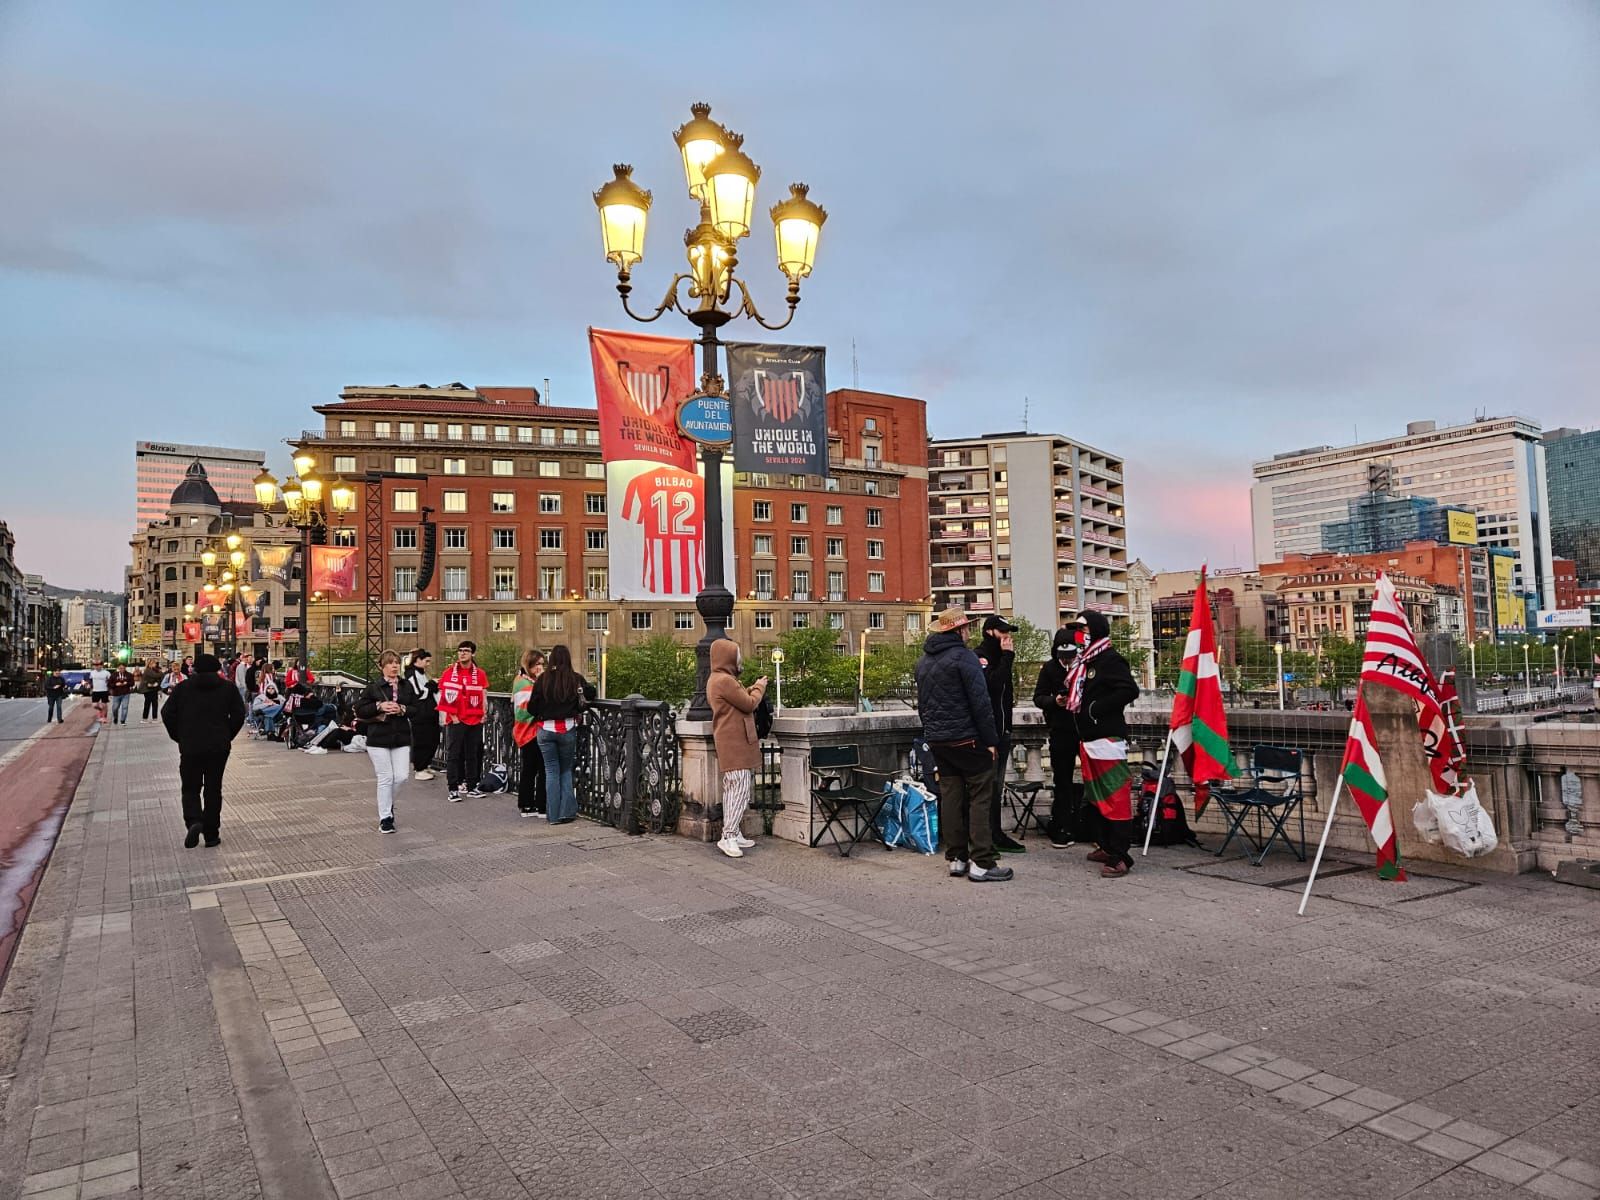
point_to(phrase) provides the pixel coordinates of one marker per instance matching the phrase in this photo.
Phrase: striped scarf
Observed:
(1079, 671)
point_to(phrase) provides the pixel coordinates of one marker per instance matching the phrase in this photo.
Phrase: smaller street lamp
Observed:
(1280, 648)
(777, 666)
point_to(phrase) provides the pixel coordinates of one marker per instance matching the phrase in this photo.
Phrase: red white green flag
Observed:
(1106, 778)
(1364, 779)
(1199, 727)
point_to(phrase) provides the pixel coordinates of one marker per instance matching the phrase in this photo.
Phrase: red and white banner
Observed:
(191, 631)
(656, 519)
(639, 381)
(242, 625)
(211, 597)
(333, 571)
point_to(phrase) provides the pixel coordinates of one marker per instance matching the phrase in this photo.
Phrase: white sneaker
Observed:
(744, 842)
(730, 847)
(958, 867)
(315, 750)
(423, 775)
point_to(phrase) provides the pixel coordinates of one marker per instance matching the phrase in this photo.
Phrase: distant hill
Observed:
(66, 593)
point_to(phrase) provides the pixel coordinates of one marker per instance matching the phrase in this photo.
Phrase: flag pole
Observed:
(1327, 826)
(1161, 777)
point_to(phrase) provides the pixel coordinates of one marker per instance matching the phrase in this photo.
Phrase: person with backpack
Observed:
(203, 715)
(384, 716)
(1100, 686)
(532, 787)
(1068, 818)
(463, 701)
(738, 741)
(557, 701)
(997, 656)
(422, 702)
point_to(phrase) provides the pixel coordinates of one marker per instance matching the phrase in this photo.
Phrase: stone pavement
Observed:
(484, 1006)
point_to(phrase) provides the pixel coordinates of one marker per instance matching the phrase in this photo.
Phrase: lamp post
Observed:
(1279, 647)
(307, 501)
(722, 179)
(1527, 672)
(777, 667)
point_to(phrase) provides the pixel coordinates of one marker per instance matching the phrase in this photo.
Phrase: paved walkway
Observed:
(487, 1007)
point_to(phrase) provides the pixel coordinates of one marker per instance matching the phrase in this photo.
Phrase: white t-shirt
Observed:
(99, 681)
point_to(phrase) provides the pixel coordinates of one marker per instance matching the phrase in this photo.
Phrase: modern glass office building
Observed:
(1572, 466)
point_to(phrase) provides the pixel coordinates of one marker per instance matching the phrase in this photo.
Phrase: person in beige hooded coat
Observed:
(733, 728)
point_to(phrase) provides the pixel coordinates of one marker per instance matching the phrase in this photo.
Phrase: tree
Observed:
(889, 669)
(1031, 650)
(1122, 643)
(657, 669)
(814, 671)
(500, 658)
(1340, 661)
(349, 656)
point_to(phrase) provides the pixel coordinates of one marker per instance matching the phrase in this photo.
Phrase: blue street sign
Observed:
(706, 419)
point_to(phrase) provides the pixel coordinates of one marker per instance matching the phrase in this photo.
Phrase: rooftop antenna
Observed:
(855, 367)
(545, 395)
(1025, 415)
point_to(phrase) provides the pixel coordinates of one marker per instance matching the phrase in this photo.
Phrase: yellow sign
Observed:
(1461, 528)
(148, 634)
(1507, 605)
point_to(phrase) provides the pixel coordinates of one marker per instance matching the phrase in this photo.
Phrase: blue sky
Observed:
(1192, 234)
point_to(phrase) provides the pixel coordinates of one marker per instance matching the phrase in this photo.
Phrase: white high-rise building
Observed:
(159, 467)
(1494, 466)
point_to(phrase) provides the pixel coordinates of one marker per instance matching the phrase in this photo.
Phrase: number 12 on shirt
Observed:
(656, 523)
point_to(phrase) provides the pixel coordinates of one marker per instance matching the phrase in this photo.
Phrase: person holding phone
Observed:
(386, 717)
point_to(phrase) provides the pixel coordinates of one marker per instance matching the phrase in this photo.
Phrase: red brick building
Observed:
(517, 490)
(1464, 568)
(1566, 573)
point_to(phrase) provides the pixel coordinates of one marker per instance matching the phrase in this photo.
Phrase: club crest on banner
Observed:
(782, 394)
(647, 388)
(780, 418)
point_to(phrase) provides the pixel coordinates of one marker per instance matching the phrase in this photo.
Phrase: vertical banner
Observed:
(211, 627)
(780, 417)
(271, 562)
(212, 596)
(241, 624)
(639, 381)
(191, 631)
(656, 521)
(333, 571)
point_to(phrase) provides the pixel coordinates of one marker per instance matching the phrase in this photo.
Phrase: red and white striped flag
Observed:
(1393, 660)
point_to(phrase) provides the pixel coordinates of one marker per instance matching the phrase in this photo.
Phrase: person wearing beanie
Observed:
(997, 656)
(203, 715)
(1069, 822)
(1099, 687)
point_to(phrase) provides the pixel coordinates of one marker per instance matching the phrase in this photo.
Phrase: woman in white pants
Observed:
(733, 728)
(385, 717)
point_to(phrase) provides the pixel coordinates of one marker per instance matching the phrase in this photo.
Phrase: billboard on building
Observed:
(1461, 527)
(780, 418)
(1508, 615)
(1564, 618)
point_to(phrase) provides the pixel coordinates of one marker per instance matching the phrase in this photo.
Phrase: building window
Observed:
(430, 431)
(764, 584)
(405, 583)
(594, 503)
(504, 582)
(502, 433)
(569, 437)
(405, 466)
(798, 514)
(800, 620)
(800, 584)
(405, 622)
(455, 502)
(594, 470)
(875, 581)
(502, 466)
(381, 429)
(913, 622)
(552, 583)
(870, 487)
(503, 539)
(452, 433)
(836, 620)
(641, 620)
(549, 502)
(875, 620)
(408, 431)
(342, 625)
(503, 622)
(525, 433)
(347, 429)
(551, 622)
(480, 433)
(800, 546)
(874, 548)
(594, 539)
(763, 543)
(549, 469)
(682, 619)
(591, 437)
(455, 538)
(835, 547)
(547, 437)
(874, 518)
(455, 622)
(405, 501)
(344, 464)
(835, 585)
(594, 582)
(761, 510)
(455, 583)
(550, 539)
(455, 466)
(764, 619)
(871, 455)
(405, 537)
(344, 537)
(835, 514)
(597, 622)
(869, 425)
(501, 502)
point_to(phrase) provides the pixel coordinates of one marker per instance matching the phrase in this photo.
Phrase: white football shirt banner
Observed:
(656, 529)
(780, 418)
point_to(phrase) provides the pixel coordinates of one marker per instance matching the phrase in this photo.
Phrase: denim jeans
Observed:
(269, 718)
(560, 753)
(52, 708)
(119, 710)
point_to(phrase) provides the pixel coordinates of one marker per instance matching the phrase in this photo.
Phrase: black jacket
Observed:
(1052, 682)
(203, 715)
(1108, 688)
(386, 731)
(420, 695)
(55, 687)
(997, 663)
(952, 697)
(542, 708)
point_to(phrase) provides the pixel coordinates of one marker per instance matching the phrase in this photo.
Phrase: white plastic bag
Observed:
(1427, 823)
(1464, 824)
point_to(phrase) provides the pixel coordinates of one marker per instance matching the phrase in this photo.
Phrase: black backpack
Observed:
(763, 716)
(1172, 824)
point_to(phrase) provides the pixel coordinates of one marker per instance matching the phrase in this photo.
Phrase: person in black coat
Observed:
(958, 725)
(1069, 821)
(421, 695)
(1100, 686)
(385, 715)
(997, 655)
(203, 715)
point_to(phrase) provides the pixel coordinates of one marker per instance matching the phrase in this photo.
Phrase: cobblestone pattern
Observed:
(483, 1006)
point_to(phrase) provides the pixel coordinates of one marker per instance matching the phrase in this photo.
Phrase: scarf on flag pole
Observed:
(1106, 778)
(1362, 770)
(1393, 660)
(1079, 671)
(1199, 729)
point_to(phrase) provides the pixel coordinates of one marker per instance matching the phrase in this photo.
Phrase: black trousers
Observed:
(1067, 815)
(531, 786)
(197, 774)
(1115, 837)
(424, 741)
(463, 755)
(151, 701)
(1002, 760)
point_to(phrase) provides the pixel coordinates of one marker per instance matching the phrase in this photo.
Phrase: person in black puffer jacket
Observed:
(997, 655)
(1069, 821)
(1100, 687)
(958, 724)
(385, 715)
(203, 715)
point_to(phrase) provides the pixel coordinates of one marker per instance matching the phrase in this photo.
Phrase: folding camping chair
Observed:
(838, 795)
(1020, 796)
(1275, 793)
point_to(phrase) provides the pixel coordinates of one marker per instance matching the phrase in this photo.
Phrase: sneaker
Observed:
(475, 793)
(1115, 870)
(316, 749)
(1062, 841)
(744, 842)
(1009, 845)
(423, 775)
(192, 838)
(728, 846)
(995, 874)
(527, 812)
(958, 867)
(457, 797)
(1098, 855)
(386, 825)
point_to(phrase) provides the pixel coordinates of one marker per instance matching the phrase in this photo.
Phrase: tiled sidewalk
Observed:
(486, 1007)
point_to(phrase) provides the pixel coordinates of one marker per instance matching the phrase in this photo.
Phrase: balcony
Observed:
(763, 595)
(835, 597)
(1088, 489)
(552, 594)
(505, 594)
(1105, 539)
(1105, 585)
(404, 597)
(801, 598)
(454, 594)
(963, 535)
(596, 594)
(1101, 560)
(950, 485)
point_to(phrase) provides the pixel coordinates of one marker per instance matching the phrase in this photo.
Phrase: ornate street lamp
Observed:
(722, 179)
(308, 501)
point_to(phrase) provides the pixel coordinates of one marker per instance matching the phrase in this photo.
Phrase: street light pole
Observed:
(1279, 648)
(1527, 673)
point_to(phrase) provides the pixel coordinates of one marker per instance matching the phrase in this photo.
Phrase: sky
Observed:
(1191, 234)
